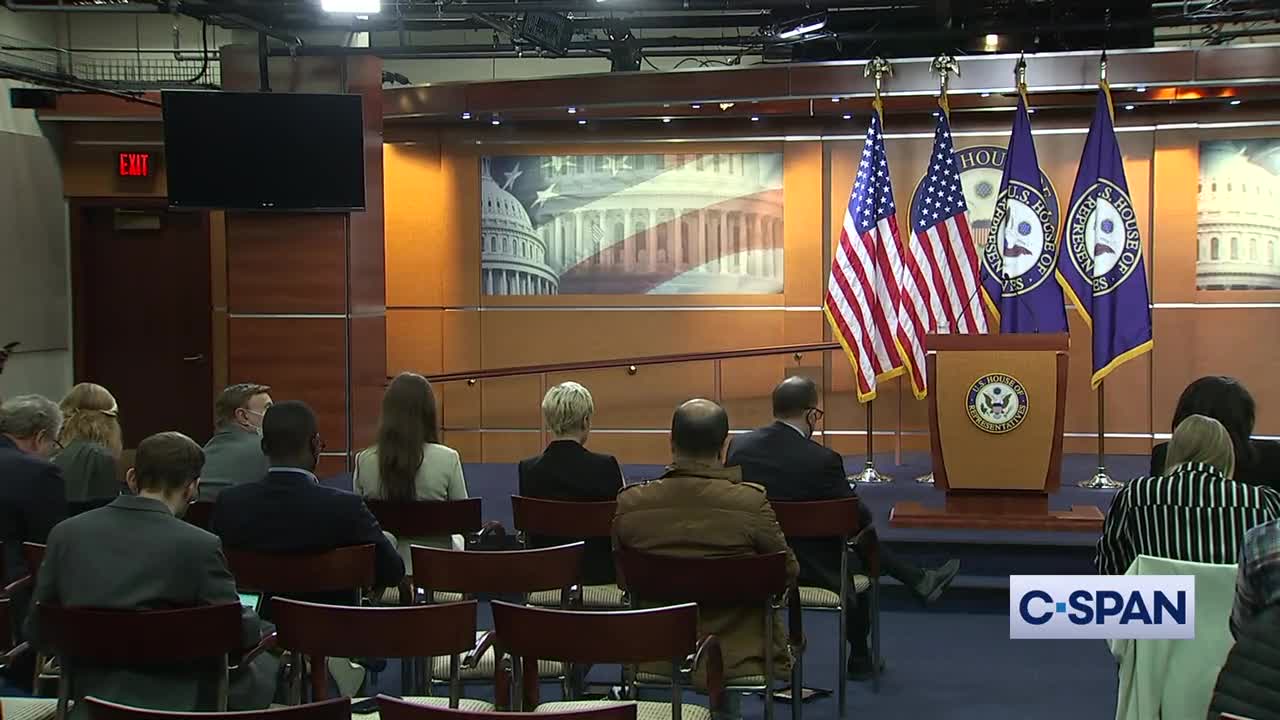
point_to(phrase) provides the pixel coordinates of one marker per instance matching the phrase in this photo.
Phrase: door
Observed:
(143, 315)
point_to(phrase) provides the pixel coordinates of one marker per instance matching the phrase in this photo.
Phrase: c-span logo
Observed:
(1102, 236)
(1102, 607)
(997, 403)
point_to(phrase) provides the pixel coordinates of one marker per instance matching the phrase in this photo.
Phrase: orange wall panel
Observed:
(414, 246)
(415, 341)
(646, 399)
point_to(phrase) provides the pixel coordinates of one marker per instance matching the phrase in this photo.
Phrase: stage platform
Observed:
(987, 557)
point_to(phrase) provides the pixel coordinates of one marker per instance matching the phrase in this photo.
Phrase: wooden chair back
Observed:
(818, 518)
(336, 709)
(346, 568)
(426, 519)
(142, 637)
(33, 556)
(729, 581)
(625, 637)
(558, 518)
(199, 514)
(393, 709)
(497, 572)
(408, 631)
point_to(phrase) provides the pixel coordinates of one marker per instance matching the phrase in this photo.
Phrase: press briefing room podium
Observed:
(996, 405)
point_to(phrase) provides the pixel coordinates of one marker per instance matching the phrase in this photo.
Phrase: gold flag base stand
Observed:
(870, 476)
(1101, 481)
(925, 479)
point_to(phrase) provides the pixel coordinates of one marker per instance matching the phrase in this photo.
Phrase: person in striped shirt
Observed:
(1193, 512)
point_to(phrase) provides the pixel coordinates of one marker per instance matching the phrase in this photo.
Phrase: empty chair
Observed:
(337, 709)
(417, 631)
(837, 521)
(332, 576)
(421, 518)
(558, 518)
(735, 584)
(513, 572)
(393, 709)
(96, 648)
(628, 637)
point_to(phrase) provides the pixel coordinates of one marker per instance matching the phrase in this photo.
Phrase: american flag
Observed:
(941, 257)
(863, 290)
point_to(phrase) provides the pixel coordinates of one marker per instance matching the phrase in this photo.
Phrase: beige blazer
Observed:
(439, 478)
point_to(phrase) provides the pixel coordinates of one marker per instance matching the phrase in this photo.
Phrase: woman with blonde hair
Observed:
(91, 444)
(1195, 511)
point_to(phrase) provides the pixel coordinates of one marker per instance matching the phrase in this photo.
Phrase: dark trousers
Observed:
(858, 627)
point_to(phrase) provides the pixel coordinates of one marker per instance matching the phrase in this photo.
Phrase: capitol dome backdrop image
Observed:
(1238, 224)
(631, 224)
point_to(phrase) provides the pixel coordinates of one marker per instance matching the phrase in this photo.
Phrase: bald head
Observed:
(698, 430)
(793, 397)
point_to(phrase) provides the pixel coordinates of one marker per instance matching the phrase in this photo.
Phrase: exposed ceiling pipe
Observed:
(133, 7)
(210, 9)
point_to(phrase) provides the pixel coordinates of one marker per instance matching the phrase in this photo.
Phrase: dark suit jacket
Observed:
(1264, 471)
(135, 555)
(568, 471)
(32, 500)
(289, 513)
(794, 468)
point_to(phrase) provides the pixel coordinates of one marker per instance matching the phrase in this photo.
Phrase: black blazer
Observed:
(1249, 682)
(568, 471)
(33, 499)
(290, 513)
(1264, 471)
(792, 467)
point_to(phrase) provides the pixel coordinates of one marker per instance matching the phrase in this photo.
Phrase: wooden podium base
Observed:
(997, 511)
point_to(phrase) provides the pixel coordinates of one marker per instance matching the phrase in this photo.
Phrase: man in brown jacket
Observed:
(700, 508)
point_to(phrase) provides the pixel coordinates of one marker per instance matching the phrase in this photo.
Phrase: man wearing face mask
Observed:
(137, 554)
(233, 455)
(792, 467)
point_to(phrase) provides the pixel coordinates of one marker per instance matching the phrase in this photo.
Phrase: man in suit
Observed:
(290, 512)
(700, 508)
(792, 467)
(234, 454)
(567, 470)
(137, 554)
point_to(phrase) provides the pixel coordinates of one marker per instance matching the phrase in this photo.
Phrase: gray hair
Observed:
(567, 407)
(26, 415)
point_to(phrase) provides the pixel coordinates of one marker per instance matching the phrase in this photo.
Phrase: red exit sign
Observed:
(133, 164)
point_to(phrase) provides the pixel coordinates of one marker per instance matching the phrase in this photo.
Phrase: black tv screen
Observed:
(264, 151)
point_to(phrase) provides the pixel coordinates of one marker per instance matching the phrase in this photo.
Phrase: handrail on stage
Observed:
(637, 361)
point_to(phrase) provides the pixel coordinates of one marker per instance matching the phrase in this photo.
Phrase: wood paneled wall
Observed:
(438, 320)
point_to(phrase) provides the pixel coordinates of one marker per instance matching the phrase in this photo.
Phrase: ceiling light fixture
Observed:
(495, 121)
(991, 42)
(573, 111)
(986, 94)
(835, 99)
(1237, 101)
(1128, 107)
(803, 26)
(755, 118)
(1141, 88)
(364, 7)
(466, 116)
(666, 120)
(847, 116)
(696, 106)
(582, 122)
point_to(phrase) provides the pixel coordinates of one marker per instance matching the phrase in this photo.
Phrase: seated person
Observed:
(290, 512)
(408, 463)
(233, 455)
(567, 470)
(699, 508)
(1246, 685)
(1195, 512)
(91, 445)
(1226, 400)
(784, 459)
(137, 554)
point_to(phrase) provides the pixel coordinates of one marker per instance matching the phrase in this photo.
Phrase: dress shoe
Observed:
(930, 587)
(859, 669)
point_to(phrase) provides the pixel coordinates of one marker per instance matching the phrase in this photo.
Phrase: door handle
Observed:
(193, 358)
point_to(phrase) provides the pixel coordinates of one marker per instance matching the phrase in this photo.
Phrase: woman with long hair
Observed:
(1193, 511)
(408, 463)
(1227, 400)
(91, 443)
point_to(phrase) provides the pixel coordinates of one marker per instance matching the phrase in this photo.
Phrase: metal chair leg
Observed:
(875, 635)
(768, 661)
(64, 690)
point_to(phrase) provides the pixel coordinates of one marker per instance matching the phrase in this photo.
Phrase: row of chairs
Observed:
(340, 709)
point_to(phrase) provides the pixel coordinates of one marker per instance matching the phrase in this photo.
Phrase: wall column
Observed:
(652, 218)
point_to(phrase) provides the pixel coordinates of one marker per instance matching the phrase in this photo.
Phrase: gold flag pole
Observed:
(944, 65)
(877, 68)
(1101, 480)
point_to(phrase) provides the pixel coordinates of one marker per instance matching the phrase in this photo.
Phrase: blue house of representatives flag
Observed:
(1019, 263)
(1103, 272)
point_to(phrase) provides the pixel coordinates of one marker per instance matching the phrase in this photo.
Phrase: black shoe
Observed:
(930, 587)
(859, 669)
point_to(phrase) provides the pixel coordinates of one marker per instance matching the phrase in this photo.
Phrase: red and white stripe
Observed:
(943, 262)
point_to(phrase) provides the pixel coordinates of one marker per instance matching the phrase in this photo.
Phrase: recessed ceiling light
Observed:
(582, 122)
(1032, 111)
(351, 6)
(986, 94)
(835, 99)
(847, 116)
(991, 42)
(495, 121)
(755, 118)
(666, 120)
(1237, 101)
(466, 116)
(936, 113)
(1128, 107)
(573, 111)
(1141, 88)
(696, 106)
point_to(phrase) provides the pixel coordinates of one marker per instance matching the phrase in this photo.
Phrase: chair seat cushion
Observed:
(484, 669)
(819, 597)
(656, 679)
(15, 708)
(463, 704)
(599, 597)
(644, 710)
